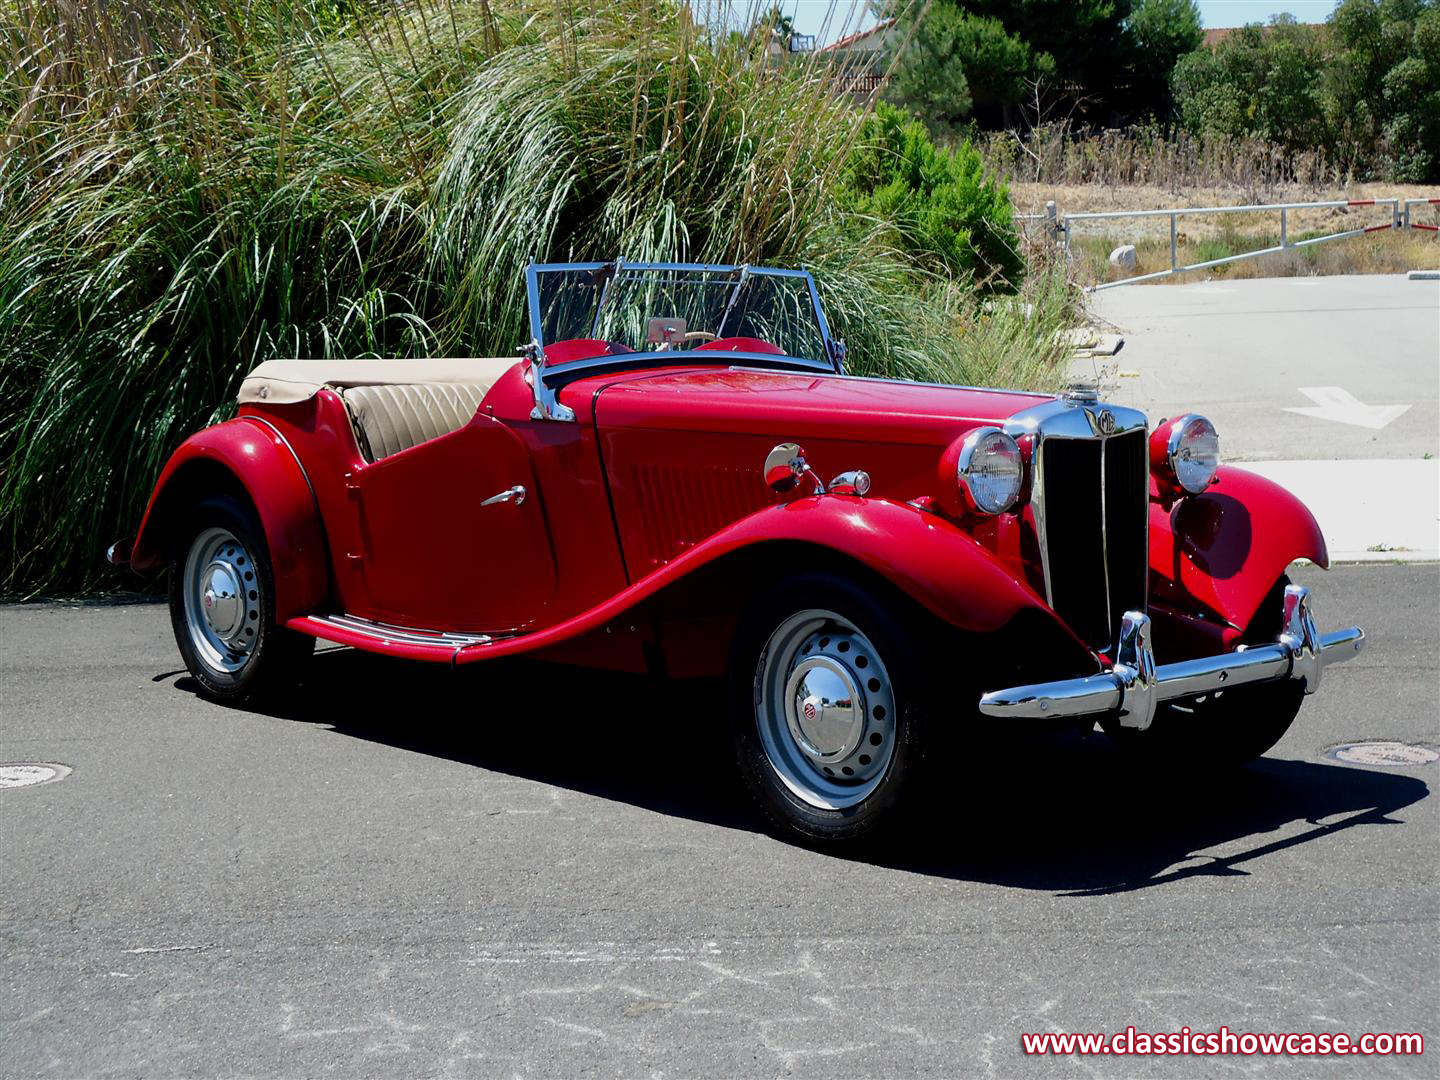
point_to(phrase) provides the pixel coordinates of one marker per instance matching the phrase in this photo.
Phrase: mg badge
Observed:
(810, 710)
(1106, 422)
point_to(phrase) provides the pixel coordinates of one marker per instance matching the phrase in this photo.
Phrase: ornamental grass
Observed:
(191, 187)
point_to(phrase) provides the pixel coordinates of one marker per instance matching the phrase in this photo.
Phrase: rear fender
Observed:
(248, 454)
(1219, 553)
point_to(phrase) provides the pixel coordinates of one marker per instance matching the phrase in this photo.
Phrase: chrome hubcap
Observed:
(222, 600)
(825, 709)
(828, 722)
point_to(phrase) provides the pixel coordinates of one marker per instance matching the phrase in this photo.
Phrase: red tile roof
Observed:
(860, 35)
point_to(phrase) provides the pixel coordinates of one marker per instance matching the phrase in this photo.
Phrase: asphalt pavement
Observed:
(522, 870)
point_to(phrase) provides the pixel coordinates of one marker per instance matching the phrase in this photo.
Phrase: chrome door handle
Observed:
(515, 494)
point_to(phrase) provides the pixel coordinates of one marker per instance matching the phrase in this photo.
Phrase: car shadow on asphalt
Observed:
(1060, 813)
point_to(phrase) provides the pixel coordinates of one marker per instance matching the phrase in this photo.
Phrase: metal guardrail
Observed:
(1409, 224)
(1400, 218)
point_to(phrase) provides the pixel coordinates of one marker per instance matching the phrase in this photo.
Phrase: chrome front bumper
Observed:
(1136, 685)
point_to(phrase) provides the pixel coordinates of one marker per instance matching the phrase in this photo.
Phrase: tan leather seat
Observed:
(389, 419)
(285, 382)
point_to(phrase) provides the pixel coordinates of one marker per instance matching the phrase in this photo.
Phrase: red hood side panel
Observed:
(684, 450)
(746, 401)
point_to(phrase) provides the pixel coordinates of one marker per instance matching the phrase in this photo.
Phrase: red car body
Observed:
(659, 476)
(610, 507)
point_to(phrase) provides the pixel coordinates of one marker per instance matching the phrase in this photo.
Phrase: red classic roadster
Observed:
(631, 493)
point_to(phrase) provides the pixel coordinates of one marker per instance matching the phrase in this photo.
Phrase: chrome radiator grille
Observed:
(1093, 518)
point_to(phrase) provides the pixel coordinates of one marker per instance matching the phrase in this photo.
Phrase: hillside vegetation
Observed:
(1364, 88)
(1354, 98)
(190, 188)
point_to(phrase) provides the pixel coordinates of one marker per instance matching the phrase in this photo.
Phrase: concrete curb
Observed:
(1369, 511)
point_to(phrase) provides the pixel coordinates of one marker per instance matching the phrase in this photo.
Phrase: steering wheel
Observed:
(701, 335)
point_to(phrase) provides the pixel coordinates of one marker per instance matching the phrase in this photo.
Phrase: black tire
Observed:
(888, 626)
(270, 656)
(1230, 727)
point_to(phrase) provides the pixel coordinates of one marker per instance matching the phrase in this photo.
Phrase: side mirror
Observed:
(785, 466)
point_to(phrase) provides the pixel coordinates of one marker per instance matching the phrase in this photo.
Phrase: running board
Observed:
(409, 641)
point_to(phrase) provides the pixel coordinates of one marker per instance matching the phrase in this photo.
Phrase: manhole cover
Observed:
(1395, 754)
(31, 773)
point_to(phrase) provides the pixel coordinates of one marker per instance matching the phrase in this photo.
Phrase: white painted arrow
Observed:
(1335, 403)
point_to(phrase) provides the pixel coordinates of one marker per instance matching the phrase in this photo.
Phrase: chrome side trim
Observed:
(1105, 538)
(400, 635)
(1136, 685)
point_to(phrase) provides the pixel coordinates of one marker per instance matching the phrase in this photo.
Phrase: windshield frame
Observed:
(547, 380)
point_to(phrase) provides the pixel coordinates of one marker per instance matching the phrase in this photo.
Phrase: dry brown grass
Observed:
(1138, 169)
(1212, 236)
(1056, 153)
(1377, 253)
(1085, 198)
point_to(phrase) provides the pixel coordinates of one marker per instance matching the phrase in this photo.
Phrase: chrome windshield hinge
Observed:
(547, 404)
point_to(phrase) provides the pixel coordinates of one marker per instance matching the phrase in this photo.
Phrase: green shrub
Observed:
(951, 217)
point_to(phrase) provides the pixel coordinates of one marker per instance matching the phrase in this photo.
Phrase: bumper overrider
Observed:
(1136, 685)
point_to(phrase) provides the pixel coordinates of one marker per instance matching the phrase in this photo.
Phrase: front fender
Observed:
(1221, 552)
(930, 559)
(249, 453)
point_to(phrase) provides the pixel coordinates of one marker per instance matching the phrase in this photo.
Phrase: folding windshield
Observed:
(583, 311)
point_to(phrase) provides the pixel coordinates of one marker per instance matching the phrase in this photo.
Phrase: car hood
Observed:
(803, 405)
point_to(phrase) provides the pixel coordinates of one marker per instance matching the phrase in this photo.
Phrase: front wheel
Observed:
(222, 604)
(827, 708)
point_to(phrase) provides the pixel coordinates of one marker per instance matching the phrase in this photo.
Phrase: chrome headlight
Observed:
(1192, 452)
(989, 470)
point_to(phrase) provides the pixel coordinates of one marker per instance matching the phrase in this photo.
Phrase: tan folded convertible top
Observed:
(284, 382)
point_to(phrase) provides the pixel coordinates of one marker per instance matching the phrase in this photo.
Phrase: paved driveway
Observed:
(1239, 352)
(519, 870)
(1358, 356)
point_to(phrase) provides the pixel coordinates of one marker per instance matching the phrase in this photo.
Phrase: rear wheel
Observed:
(222, 604)
(1227, 727)
(827, 709)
